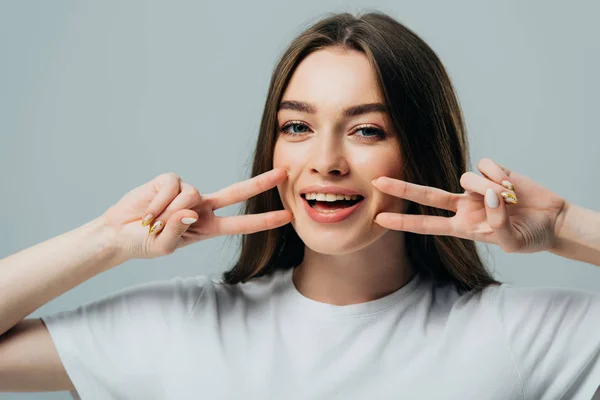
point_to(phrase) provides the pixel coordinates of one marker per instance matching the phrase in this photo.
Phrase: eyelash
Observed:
(378, 135)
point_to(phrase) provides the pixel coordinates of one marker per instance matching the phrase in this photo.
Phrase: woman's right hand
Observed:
(169, 199)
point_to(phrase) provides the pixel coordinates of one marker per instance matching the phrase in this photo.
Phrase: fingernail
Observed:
(491, 199)
(156, 227)
(188, 221)
(508, 185)
(374, 181)
(509, 198)
(146, 220)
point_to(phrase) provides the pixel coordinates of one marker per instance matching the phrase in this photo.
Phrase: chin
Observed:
(336, 240)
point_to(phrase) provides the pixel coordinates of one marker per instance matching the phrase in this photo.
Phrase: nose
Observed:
(327, 156)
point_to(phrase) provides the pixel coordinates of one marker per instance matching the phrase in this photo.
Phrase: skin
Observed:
(363, 257)
(355, 260)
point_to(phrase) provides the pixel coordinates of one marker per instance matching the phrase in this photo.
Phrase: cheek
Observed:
(386, 162)
(290, 156)
(283, 157)
(377, 162)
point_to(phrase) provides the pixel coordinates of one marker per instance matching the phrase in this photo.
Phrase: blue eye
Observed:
(367, 132)
(370, 131)
(297, 128)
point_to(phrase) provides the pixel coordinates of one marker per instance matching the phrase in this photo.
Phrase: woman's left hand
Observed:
(525, 227)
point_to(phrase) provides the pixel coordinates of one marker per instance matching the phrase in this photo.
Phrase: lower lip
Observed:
(329, 217)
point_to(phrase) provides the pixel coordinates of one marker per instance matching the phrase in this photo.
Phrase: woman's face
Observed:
(333, 131)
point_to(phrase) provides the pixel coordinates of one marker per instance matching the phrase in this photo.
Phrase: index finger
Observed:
(425, 195)
(241, 191)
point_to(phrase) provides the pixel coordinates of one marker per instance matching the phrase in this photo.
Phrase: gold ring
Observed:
(508, 185)
(509, 198)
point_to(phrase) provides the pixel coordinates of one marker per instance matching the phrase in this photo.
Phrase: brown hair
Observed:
(424, 109)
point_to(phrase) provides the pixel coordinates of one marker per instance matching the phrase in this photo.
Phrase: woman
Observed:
(358, 275)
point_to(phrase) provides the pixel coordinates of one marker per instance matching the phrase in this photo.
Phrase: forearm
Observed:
(578, 235)
(36, 275)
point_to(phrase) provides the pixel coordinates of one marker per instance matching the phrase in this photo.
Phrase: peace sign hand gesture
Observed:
(525, 226)
(178, 215)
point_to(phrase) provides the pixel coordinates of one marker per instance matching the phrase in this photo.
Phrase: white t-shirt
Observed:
(197, 338)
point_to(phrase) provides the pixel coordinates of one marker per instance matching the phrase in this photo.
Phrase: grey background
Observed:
(97, 98)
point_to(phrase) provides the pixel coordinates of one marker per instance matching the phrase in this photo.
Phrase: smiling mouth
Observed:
(330, 206)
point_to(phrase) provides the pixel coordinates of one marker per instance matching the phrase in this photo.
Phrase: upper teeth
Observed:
(330, 196)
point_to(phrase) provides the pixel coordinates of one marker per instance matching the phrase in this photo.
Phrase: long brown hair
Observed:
(424, 109)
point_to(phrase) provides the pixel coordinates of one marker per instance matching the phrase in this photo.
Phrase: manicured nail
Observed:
(146, 220)
(156, 227)
(509, 198)
(188, 221)
(508, 185)
(491, 199)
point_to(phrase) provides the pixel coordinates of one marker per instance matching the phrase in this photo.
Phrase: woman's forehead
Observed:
(334, 78)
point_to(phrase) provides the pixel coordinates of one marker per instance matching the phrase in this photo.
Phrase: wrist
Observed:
(106, 234)
(576, 234)
(560, 227)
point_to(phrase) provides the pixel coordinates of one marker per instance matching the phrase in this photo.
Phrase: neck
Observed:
(370, 273)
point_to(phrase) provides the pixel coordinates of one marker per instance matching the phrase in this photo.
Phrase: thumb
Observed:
(175, 227)
(497, 218)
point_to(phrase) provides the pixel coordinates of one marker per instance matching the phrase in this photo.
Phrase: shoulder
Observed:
(507, 298)
(508, 295)
(175, 290)
(515, 306)
(261, 288)
(526, 314)
(218, 299)
(169, 300)
(550, 331)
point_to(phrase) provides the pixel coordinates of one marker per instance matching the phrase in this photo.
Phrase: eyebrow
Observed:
(347, 112)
